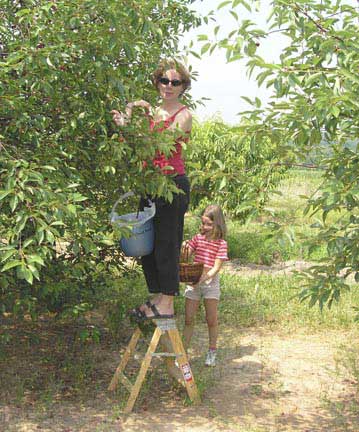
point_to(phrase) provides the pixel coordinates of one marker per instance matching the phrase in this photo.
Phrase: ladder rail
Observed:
(125, 358)
(143, 370)
(165, 333)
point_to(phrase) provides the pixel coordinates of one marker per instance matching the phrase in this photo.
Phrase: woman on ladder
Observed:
(161, 267)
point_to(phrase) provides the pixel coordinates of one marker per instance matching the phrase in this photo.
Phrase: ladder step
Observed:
(166, 354)
(166, 324)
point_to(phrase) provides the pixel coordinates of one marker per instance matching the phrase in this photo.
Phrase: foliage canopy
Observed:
(315, 97)
(64, 66)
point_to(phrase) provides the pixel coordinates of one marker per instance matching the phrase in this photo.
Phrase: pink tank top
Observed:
(175, 160)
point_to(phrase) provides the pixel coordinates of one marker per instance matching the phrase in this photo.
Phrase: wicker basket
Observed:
(189, 272)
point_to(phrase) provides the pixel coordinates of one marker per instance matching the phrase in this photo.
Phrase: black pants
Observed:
(161, 267)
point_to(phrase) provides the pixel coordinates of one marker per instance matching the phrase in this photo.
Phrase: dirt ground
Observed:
(265, 381)
(281, 268)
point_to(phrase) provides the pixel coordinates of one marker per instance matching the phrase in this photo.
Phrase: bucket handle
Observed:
(122, 197)
(127, 195)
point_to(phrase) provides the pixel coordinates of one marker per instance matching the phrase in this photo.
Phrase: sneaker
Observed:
(211, 358)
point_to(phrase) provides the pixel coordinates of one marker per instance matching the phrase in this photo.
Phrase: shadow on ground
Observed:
(263, 382)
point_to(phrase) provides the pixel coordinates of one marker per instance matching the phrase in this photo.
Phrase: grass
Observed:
(272, 301)
(260, 243)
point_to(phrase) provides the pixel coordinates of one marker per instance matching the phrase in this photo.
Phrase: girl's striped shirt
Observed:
(207, 251)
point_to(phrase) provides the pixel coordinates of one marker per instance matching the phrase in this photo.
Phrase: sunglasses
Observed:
(166, 81)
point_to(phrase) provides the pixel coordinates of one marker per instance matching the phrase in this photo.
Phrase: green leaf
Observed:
(219, 163)
(23, 12)
(223, 4)
(8, 254)
(5, 193)
(10, 264)
(235, 16)
(35, 258)
(335, 111)
(349, 75)
(262, 76)
(71, 208)
(205, 48)
(314, 78)
(195, 54)
(202, 37)
(246, 5)
(28, 276)
(50, 237)
(13, 202)
(223, 183)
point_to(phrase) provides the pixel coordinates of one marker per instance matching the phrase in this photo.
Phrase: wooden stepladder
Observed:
(172, 342)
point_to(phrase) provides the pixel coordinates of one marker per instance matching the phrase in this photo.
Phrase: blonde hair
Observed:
(215, 214)
(168, 64)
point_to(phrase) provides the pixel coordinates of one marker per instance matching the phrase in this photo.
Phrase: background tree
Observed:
(315, 87)
(64, 66)
(226, 168)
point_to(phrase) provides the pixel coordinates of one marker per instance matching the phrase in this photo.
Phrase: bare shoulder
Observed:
(184, 119)
(185, 114)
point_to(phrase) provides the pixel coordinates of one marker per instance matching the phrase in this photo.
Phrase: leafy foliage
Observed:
(64, 66)
(315, 87)
(226, 168)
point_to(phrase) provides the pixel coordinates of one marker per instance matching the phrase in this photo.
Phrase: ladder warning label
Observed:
(187, 374)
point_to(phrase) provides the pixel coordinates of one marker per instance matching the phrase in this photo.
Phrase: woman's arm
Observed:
(122, 119)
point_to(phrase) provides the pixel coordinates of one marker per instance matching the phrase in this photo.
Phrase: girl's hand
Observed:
(208, 276)
(185, 252)
(119, 118)
(201, 280)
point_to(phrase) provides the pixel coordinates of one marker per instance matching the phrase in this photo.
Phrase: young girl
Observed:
(210, 248)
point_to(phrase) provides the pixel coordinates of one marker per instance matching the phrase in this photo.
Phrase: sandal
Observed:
(137, 312)
(141, 315)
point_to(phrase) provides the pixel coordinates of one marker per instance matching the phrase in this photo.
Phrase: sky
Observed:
(224, 83)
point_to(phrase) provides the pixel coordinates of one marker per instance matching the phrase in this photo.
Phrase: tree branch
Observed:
(318, 25)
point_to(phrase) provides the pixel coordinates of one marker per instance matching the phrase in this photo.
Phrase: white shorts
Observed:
(209, 290)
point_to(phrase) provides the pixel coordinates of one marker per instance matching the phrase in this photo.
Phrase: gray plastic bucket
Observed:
(141, 240)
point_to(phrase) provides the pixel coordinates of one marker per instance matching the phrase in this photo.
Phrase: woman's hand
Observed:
(119, 118)
(140, 103)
